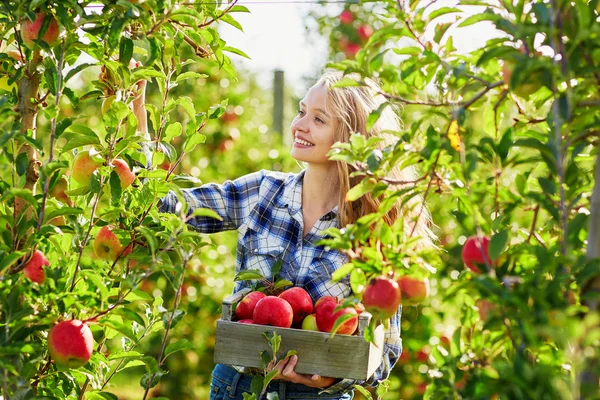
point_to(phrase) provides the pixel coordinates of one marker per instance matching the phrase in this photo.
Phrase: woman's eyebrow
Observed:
(316, 109)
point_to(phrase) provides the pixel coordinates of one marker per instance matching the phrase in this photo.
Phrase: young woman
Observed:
(281, 216)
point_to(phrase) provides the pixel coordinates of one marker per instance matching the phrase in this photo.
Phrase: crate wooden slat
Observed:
(342, 356)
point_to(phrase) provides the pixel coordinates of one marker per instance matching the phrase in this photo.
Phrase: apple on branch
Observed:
(70, 344)
(475, 253)
(30, 30)
(34, 268)
(382, 297)
(83, 168)
(125, 175)
(414, 290)
(106, 244)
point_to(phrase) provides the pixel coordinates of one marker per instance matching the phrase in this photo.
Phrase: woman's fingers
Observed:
(289, 368)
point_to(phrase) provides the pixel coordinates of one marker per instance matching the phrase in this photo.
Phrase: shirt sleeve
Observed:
(232, 201)
(392, 348)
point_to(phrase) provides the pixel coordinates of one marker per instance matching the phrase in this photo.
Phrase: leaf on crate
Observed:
(248, 275)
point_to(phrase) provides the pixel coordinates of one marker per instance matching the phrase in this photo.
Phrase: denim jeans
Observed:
(229, 384)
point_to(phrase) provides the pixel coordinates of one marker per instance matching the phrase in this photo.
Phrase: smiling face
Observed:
(313, 128)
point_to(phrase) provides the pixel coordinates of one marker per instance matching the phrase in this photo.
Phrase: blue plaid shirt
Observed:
(266, 209)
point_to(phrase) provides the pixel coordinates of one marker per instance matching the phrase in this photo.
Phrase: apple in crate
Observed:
(300, 301)
(273, 311)
(326, 317)
(245, 308)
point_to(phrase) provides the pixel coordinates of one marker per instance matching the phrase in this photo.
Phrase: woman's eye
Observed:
(300, 112)
(319, 120)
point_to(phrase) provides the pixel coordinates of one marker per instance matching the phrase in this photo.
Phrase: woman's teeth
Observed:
(303, 142)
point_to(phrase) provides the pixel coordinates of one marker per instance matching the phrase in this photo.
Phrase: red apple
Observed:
(475, 253)
(245, 308)
(246, 321)
(414, 291)
(382, 297)
(346, 17)
(106, 244)
(58, 191)
(404, 356)
(310, 323)
(34, 268)
(30, 31)
(326, 317)
(273, 311)
(83, 168)
(352, 49)
(229, 117)
(125, 175)
(486, 309)
(423, 355)
(323, 300)
(300, 301)
(70, 344)
(365, 32)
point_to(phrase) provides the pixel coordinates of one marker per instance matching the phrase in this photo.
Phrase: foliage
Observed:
(506, 139)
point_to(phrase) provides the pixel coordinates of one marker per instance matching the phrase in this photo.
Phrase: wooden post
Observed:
(278, 107)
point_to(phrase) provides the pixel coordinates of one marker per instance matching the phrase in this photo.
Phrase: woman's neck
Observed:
(320, 188)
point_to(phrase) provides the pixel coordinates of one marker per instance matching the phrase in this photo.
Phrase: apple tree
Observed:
(506, 139)
(80, 184)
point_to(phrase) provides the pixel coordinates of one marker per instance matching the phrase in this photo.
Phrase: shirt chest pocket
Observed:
(261, 252)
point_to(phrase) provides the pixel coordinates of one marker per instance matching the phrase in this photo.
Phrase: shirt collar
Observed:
(292, 196)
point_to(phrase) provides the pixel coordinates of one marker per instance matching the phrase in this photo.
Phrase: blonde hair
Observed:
(351, 106)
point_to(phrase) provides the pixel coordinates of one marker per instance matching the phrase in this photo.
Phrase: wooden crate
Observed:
(342, 356)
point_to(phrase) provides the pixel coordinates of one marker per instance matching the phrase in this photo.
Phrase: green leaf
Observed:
(124, 354)
(172, 131)
(174, 317)
(281, 284)
(345, 82)
(236, 51)
(269, 377)
(205, 212)
(97, 281)
(115, 188)
(342, 271)
(274, 341)
(443, 11)
(497, 244)
(190, 75)
(365, 186)
(181, 344)
(10, 259)
(231, 21)
(76, 70)
(410, 50)
(96, 395)
(248, 275)
(192, 141)
(364, 392)
(78, 136)
(256, 386)
(125, 51)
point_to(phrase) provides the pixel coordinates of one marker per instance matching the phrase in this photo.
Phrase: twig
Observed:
(219, 16)
(168, 328)
(52, 132)
(433, 167)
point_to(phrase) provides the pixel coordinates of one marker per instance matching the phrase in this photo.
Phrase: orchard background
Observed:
(505, 139)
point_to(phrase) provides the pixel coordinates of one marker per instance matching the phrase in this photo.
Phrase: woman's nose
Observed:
(299, 123)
